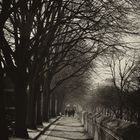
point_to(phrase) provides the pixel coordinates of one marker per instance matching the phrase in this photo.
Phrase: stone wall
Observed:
(102, 127)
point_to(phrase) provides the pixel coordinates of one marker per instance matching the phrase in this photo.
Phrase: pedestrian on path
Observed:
(73, 112)
(66, 112)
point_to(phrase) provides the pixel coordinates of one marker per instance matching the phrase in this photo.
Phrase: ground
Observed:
(67, 128)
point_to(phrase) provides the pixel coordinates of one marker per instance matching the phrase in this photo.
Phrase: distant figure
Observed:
(60, 114)
(66, 112)
(73, 112)
(69, 113)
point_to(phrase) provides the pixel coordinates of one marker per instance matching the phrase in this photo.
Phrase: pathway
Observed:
(67, 128)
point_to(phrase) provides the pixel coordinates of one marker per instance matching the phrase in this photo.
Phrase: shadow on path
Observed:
(67, 128)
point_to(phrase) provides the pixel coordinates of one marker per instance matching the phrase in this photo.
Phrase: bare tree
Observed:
(47, 32)
(121, 68)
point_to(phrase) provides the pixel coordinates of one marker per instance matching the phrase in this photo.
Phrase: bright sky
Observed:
(103, 72)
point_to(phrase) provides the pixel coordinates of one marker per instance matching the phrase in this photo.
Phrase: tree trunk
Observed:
(58, 111)
(56, 107)
(3, 126)
(46, 107)
(46, 99)
(21, 102)
(32, 104)
(53, 106)
(50, 106)
(59, 104)
(39, 109)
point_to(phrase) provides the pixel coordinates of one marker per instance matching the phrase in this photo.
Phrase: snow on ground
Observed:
(32, 133)
(65, 128)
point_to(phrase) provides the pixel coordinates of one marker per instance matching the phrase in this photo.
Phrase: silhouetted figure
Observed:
(60, 114)
(69, 113)
(66, 112)
(73, 112)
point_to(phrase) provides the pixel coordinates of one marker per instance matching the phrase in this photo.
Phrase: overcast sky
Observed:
(103, 72)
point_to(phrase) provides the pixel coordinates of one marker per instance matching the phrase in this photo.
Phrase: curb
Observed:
(46, 128)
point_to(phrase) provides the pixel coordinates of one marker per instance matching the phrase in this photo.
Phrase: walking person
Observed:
(66, 112)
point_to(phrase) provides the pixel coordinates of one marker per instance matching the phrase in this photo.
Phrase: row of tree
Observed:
(119, 96)
(44, 43)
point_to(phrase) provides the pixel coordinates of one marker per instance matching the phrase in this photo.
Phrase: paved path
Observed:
(67, 128)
